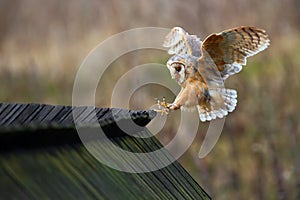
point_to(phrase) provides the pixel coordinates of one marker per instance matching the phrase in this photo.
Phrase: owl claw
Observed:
(163, 106)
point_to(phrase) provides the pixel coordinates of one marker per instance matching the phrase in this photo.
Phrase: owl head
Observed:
(182, 66)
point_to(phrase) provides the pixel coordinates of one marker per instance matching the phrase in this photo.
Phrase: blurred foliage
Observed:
(42, 44)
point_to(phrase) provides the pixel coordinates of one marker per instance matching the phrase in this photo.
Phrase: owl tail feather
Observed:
(221, 101)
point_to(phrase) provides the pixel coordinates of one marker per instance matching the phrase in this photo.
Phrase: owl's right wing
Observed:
(180, 42)
(230, 48)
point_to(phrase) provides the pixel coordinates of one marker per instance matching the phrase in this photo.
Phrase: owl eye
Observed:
(178, 68)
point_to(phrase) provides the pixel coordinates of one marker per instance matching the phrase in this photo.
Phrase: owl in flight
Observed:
(201, 68)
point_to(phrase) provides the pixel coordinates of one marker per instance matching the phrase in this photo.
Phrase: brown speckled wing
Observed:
(229, 49)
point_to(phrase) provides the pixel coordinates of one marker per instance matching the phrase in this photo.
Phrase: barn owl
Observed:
(201, 68)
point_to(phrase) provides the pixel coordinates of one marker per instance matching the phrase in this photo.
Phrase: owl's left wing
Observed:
(230, 49)
(180, 42)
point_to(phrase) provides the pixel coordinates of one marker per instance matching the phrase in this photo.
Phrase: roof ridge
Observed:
(18, 116)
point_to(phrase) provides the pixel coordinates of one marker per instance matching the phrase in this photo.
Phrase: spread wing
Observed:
(229, 50)
(180, 42)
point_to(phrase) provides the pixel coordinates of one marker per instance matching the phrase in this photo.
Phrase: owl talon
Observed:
(162, 111)
(163, 106)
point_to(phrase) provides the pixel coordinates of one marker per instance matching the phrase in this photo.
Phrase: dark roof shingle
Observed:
(41, 156)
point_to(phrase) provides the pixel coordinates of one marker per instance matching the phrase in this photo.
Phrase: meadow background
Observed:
(42, 44)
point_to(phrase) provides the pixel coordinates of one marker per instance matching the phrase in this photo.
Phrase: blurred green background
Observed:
(42, 44)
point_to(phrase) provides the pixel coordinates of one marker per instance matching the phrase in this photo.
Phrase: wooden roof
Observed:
(41, 156)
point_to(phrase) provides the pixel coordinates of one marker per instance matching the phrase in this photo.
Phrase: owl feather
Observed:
(201, 68)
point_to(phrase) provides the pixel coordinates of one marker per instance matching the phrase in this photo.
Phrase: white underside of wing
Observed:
(230, 102)
(176, 41)
(179, 48)
(230, 69)
(180, 42)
